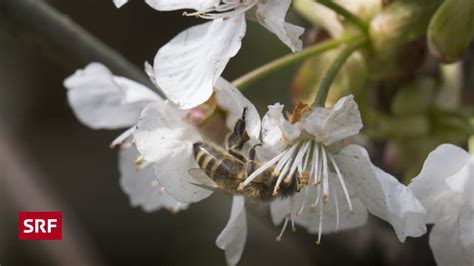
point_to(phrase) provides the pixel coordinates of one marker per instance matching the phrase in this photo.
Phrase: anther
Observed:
(325, 198)
(139, 160)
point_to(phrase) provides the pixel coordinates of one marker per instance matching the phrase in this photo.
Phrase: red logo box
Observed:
(40, 226)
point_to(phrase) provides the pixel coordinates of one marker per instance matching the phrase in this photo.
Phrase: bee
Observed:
(224, 170)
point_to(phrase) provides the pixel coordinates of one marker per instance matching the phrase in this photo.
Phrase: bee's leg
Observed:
(237, 139)
(251, 161)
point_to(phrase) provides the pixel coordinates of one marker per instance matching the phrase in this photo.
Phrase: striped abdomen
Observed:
(217, 163)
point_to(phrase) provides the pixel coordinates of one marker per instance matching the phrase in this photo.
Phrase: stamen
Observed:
(260, 170)
(122, 137)
(296, 162)
(320, 229)
(304, 201)
(140, 159)
(318, 196)
(142, 165)
(325, 176)
(341, 180)
(337, 208)
(278, 238)
(281, 163)
(224, 10)
(316, 165)
(280, 178)
(304, 163)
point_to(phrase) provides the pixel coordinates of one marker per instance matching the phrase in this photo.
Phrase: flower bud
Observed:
(451, 29)
(394, 33)
(401, 22)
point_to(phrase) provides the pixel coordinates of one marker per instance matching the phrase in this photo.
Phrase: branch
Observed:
(39, 24)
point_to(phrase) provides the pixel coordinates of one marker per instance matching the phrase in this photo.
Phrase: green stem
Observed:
(346, 14)
(336, 65)
(287, 60)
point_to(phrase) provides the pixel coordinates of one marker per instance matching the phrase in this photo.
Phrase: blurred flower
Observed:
(445, 187)
(305, 150)
(187, 67)
(101, 100)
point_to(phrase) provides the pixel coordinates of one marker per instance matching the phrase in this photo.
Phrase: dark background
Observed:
(50, 160)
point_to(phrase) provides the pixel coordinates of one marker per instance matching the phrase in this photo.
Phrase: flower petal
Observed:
(381, 193)
(172, 173)
(330, 125)
(120, 3)
(466, 231)
(101, 100)
(142, 187)
(277, 132)
(271, 14)
(347, 220)
(430, 186)
(187, 67)
(279, 209)
(233, 237)
(163, 132)
(445, 244)
(168, 5)
(164, 138)
(231, 100)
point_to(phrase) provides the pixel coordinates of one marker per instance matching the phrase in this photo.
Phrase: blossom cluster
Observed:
(338, 185)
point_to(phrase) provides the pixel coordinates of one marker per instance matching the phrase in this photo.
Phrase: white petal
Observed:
(172, 173)
(463, 180)
(101, 100)
(445, 244)
(163, 137)
(168, 5)
(271, 14)
(187, 67)
(430, 185)
(330, 125)
(276, 130)
(142, 187)
(347, 220)
(279, 209)
(233, 236)
(163, 132)
(466, 231)
(381, 193)
(120, 3)
(231, 100)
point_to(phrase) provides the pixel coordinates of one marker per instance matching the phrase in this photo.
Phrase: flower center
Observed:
(311, 162)
(226, 9)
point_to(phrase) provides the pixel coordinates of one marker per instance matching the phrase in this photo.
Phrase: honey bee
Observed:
(224, 170)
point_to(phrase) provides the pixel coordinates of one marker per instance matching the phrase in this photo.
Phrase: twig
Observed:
(39, 24)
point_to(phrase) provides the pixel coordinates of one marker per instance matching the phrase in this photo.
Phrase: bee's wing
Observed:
(202, 179)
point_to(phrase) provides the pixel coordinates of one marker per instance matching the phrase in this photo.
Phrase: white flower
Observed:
(101, 100)
(165, 137)
(188, 66)
(445, 187)
(336, 188)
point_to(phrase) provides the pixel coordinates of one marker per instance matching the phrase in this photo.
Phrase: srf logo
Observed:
(40, 226)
